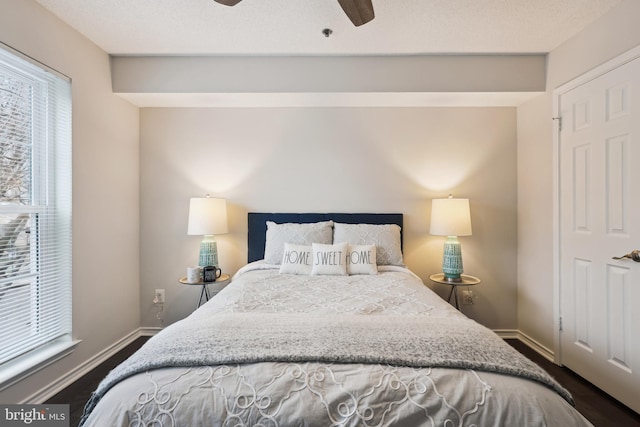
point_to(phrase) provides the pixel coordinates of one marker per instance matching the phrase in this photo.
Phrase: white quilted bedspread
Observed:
(325, 394)
(394, 292)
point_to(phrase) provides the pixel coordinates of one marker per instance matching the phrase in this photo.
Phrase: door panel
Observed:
(599, 219)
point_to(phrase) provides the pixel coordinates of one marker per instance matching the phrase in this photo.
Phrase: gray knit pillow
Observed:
(298, 234)
(386, 237)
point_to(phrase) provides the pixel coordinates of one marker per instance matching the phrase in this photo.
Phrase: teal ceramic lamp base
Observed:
(452, 259)
(208, 252)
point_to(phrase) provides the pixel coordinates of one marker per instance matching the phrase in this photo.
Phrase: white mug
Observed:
(194, 274)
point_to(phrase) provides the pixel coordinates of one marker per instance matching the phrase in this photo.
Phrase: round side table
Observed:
(221, 281)
(465, 280)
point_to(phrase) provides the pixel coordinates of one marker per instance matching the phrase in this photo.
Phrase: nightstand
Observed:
(465, 280)
(221, 282)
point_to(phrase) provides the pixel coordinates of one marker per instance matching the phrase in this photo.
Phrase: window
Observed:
(35, 216)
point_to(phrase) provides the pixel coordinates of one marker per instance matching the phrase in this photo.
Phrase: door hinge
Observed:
(560, 323)
(559, 119)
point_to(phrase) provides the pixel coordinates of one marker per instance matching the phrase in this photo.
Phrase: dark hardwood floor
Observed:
(78, 393)
(596, 406)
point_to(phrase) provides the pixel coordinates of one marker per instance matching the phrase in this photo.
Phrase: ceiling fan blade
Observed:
(359, 11)
(228, 2)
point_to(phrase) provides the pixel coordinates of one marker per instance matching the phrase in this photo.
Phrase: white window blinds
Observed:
(35, 210)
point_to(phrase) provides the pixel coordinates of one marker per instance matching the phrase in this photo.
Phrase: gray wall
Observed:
(330, 159)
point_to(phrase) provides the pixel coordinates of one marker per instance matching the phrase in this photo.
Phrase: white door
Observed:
(599, 218)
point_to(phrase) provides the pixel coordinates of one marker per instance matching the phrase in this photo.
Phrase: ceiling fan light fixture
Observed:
(359, 11)
(228, 2)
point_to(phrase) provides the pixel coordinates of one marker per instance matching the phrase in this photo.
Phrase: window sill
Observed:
(20, 368)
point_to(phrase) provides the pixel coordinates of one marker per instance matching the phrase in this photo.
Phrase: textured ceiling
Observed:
(294, 27)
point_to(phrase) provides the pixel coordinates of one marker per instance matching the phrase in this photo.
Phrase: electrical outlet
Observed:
(159, 296)
(467, 297)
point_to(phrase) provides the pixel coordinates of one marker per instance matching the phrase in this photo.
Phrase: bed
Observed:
(325, 326)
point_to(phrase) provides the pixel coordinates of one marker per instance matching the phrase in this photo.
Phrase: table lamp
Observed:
(452, 218)
(207, 217)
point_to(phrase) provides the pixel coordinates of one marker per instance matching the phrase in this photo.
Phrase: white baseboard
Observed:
(545, 352)
(507, 334)
(75, 374)
(149, 331)
(515, 334)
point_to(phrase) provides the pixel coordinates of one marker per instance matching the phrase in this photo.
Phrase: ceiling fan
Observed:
(359, 11)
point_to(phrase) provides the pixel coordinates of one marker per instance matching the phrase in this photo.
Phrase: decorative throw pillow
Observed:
(361, 259)
(386, 237)
(299, 234)
(329, 259)
(296, 259)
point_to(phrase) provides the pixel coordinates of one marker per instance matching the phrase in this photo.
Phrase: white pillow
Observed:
(361, 259)
(299, 234)
(386, 237)
(296, 259)
(329, 259)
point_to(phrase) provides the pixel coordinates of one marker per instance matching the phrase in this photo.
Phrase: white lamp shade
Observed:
(207, 216)
(450, 217)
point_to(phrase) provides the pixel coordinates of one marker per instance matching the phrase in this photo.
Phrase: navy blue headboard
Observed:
(257, 224)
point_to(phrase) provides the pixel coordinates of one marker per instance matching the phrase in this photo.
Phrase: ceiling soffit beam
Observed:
(329, 74)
